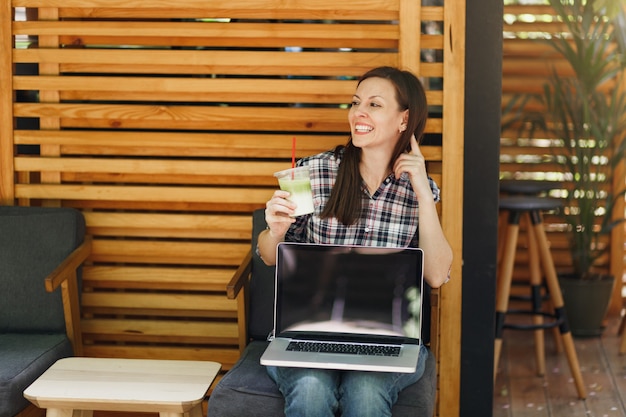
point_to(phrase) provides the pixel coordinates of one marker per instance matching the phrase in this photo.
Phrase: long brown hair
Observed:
(346, 196)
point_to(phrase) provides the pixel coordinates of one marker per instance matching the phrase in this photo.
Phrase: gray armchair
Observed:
(41, 250)
(247, 390)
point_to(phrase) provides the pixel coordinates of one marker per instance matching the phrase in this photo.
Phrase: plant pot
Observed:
(586, 302)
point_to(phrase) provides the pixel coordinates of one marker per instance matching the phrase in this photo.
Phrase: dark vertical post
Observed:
(483, 92)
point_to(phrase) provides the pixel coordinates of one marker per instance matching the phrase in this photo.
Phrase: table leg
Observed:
(195, 412)
(167, 414)
(68, 412)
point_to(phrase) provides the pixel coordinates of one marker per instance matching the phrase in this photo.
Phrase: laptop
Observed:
(346, 307)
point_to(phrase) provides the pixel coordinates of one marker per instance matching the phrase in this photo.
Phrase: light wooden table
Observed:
(75, 387)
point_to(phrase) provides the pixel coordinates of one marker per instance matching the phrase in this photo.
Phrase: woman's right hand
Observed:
(277, 214)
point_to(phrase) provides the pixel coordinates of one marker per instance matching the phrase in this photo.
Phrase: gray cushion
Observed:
(23, 358)
(247, 390)
(33, 242)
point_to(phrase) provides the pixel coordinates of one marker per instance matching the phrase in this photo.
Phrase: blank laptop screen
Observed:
(347, 289)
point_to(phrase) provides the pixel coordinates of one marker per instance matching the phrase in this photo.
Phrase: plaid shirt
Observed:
(390, 215)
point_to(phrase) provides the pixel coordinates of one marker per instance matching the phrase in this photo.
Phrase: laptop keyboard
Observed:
(347, 348)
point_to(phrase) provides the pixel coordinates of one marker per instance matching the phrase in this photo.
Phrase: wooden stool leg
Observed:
(535, 287)
(557, 301)
(502, 227)
(504, 285)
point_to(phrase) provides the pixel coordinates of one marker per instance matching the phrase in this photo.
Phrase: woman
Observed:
(365, 193)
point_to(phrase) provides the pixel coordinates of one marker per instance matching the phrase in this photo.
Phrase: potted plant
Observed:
(585, 115)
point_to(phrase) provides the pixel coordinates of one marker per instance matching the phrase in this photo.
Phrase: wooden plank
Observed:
(224, 195)
(180, 225)
(159, 331)
(194, 117)
(194, 89)
(159, 304)
(208, 62)
(410, 12)
(227, 357)
(267, 9)
(188, 117)
(168, 252)
(156, 170)
(193, 144)
(213, 34)
(157, 278)
(198, 89)
(7, 175)
(452, 207)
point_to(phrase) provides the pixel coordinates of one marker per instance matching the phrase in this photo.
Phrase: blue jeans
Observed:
(327, 393)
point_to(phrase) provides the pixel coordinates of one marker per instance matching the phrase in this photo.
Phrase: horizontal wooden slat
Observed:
(220, 195)
(195, 117)
(180, 144)
(210, 61)
(227, 357)
(215, 34)
(158, 171)
(277, 9)
(193, 144)
(239, 9)
(198, 89)
(157, 278)
(188, 117)
(204, 226)
(161, 331)
(168, 252)
(159, 304)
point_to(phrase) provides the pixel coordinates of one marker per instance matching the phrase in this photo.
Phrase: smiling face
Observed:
(375, 117)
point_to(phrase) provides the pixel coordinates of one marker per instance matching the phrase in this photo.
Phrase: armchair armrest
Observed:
(65, 275)
(69, 265)
(240, 277)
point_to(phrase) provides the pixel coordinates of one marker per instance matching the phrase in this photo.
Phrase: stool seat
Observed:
(527, 187)
(528, 203)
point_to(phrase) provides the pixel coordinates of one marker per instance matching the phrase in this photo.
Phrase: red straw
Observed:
(293, 154)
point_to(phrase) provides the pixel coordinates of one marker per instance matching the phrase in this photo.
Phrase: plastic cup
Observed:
(297, 182)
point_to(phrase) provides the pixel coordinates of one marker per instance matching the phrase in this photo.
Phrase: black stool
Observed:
(517, 206)
(532, 188)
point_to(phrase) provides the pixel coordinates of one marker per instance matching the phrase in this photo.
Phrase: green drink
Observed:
(296, 181)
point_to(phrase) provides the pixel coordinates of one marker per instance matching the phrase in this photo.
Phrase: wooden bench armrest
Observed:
(69, 265)
(240, 277)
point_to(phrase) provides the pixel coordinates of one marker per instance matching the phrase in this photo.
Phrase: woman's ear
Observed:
(405, 121)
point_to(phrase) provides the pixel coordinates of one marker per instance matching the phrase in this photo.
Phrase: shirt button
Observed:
(367, 230)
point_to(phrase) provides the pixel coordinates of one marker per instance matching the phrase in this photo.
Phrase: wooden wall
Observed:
(527, 63)
(164, 121)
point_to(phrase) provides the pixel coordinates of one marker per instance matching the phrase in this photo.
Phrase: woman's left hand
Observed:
(414, 164)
